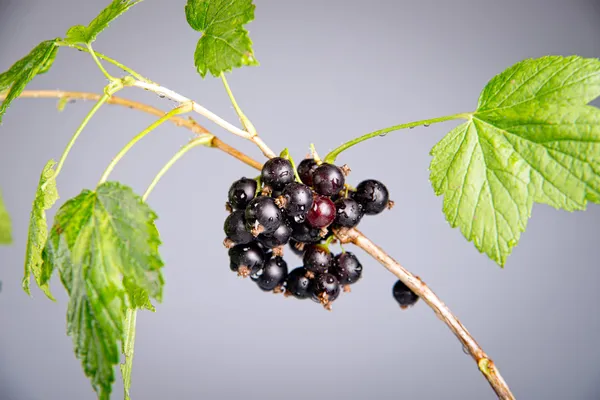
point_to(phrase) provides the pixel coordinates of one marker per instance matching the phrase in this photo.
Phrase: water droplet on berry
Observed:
(300, 218)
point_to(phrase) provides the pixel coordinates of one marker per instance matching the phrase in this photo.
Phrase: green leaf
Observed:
(38, 61)
(87, 34)
(532, 139)
(105, 245)
(224, 43)
(5, 225)
(45, 197)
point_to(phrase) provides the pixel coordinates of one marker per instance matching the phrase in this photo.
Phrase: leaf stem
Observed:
(331, 157)
(128, 347)
(105, 72)
(176, 111)
(248, 126)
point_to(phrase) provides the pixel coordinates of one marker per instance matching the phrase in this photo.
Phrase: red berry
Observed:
(322, 212)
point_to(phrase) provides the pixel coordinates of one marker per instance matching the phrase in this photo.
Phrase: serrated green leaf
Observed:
(224, 43)
(87, 34)
(45, 197)
(37, 62)
(105, 245)
(532, 139)
(5, 224)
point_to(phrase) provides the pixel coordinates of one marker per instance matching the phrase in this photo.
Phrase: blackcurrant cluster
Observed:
(276, 209)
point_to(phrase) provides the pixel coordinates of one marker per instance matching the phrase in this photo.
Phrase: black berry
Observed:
(403, 295)
(322, 212)
(372, 195)
(304, 232)
(263, 216)
(235, 228)
(297, 247)
(297, 199)
(317, 258)
(276, 173)
(328, 179)
(306, 168)
(346, 268)
(326, 289)
(278, 238)
(298, 284)
(271, 274)
(241, 192)
(248, 255)
(348, 212)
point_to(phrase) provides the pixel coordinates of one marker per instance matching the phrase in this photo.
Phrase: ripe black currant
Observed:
(297, 247)
(241, 192)
(276, 173)
(263, 216)
(403, 295)
(346, 268)
(278, 238)
(271, 274)
(322, 212)
(348, 212)
(326, 289)
(249, 256)
(317, 258)
(372, 195)
(304, 232)
(235, 228)
(306, 168)
(297, 199)
(328, 179)
(298, 284)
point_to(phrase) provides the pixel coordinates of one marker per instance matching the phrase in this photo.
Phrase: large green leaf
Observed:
(38, 61)
(532, 139)
(105, 245)
(87, 34)
(45, 197)
(224, 43)
(5, 225)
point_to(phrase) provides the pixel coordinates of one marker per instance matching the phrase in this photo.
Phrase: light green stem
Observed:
(128, 346)
(286, 154)
(176, 111)
(331, 157)
(105, 72)
(245, 121)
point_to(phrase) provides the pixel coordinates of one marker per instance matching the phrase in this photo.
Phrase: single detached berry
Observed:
(297, 199)
(235, 228)
(306, 168)
(304, 232)
(325, 289)
(346, 268)
(241, 192)
(372, 195)
(271, 274)
(317, 258)
(263, 216)
(403, 295)
(298, 284)
(322, 212)
(278, 238)
(348, 212)
(250, 256)
(328, 179)
(276, 173)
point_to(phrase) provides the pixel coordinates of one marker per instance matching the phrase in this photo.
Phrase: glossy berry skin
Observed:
(403, 295)
(317, 259)
(263, 214)
(278, 238)
(276, 173)
(298, 199)
(328, 179)
(241, 192)
(249, 255)
(305, 233)
(293, 242)
(372, 195)
(325, 284)
(271, 274)
(346, 268)
(306, 168)
(348, 212)
(322, 212)
(298, 284)
(235, 228)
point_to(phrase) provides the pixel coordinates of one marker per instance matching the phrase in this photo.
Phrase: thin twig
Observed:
(484, 363)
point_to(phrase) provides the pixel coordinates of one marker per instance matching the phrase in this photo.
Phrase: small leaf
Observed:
(45, 197)
(5, 225)
(105, 245)
(224, 43)
(38, 61)
(87, 34)
(532, 139)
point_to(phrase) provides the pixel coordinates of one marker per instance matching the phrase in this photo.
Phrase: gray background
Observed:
(330, 70)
